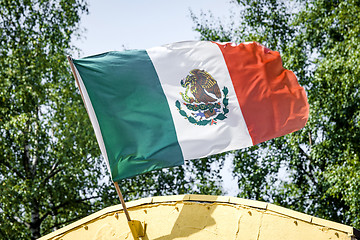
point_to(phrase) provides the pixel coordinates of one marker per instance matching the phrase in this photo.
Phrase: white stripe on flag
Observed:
(173, 63)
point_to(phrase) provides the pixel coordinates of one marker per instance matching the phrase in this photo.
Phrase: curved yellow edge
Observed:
(204, 217)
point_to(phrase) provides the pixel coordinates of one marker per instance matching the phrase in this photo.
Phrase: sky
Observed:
(140, 24)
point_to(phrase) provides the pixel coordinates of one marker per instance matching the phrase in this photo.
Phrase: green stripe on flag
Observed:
(131, 108)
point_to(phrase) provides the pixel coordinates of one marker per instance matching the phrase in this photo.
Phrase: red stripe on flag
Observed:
(271, 100)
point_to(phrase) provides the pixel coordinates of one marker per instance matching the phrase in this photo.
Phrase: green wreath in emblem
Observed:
(205, 105)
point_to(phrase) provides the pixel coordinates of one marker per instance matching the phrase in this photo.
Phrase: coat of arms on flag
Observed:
(206, 105)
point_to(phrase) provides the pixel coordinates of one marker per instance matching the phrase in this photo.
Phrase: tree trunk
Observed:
(35, 221)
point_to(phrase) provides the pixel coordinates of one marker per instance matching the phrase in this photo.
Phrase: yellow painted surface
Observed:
(204, 217)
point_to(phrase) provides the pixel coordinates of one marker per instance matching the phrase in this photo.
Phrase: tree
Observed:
(51, 172)
(314, 170)
(46, 174)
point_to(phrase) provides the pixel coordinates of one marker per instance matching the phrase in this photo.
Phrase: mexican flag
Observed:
(154, 108)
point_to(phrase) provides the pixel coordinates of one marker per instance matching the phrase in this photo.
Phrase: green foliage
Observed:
(314, 170)
(46, 176)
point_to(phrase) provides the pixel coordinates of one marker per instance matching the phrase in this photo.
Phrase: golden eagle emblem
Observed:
(202, 98)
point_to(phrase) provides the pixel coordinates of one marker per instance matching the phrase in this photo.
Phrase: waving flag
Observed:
(154, 108)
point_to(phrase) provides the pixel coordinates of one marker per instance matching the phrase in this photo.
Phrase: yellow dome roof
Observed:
(204, 217)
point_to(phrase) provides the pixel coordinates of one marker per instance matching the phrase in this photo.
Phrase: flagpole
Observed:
(122, 201)
(115, 183)
(136, 227)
